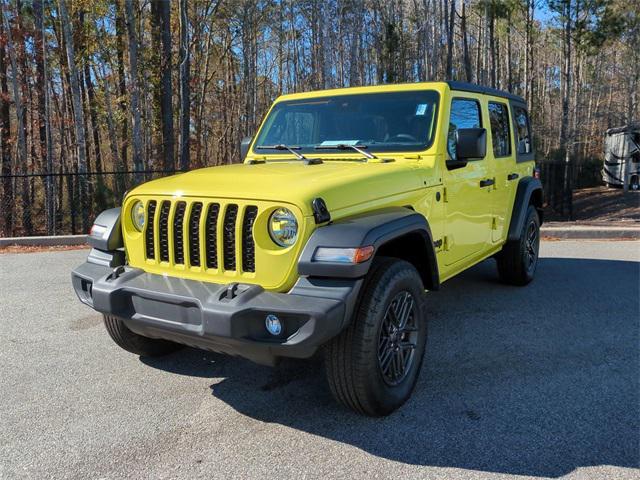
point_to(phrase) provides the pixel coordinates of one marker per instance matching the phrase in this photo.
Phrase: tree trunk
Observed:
(135, 91)
(44, 118)
(161, 17)
(7, 205)
(465, 46)
(22, 141)
(121, 179)
(450, 39)
(77, 113)
(508, 59)
(185, 109)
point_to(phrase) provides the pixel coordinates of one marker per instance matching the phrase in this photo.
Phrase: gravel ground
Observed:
(537, 381)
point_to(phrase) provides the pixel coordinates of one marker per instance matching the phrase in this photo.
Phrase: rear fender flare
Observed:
(529, 192)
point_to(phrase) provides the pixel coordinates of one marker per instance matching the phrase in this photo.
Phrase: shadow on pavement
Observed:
(530, 381)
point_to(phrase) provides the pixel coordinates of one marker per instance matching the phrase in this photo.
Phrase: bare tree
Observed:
(161, 17)
(5, 137)
(185, 92)
(135, 91)
(20, 114)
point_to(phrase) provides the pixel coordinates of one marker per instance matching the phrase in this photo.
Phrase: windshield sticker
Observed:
(421, 109)
(328, 143)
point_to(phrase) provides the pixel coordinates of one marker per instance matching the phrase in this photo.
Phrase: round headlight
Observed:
(137, 215)
(283, 227)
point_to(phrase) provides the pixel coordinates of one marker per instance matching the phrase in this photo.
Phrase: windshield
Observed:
(397, 121)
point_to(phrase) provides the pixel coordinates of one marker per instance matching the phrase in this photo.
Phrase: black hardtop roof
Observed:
(475, 88)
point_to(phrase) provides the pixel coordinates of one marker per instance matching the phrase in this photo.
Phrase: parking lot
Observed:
(537, 381)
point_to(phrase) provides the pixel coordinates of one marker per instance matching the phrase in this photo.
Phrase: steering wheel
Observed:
(404, 136)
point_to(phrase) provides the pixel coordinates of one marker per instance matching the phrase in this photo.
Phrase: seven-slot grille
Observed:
(198, 242)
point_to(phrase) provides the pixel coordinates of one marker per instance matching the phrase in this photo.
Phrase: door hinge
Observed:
(494, 223)
(445, 243)
(445, 199)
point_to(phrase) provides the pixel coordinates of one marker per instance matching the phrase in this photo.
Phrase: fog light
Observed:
(273, 325)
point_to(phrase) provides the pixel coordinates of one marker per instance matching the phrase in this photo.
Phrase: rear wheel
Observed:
(372, 366)
(134, 343)
(518, 260)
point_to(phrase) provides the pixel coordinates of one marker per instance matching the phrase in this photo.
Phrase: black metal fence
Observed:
(64, 202)
(559, 180)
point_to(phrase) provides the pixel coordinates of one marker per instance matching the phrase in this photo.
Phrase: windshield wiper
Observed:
(346, 146)
(282, 146)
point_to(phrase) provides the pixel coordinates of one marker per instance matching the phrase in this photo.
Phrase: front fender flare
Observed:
(373, 228)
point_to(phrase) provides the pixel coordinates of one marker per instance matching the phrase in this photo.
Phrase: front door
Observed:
(468, 194)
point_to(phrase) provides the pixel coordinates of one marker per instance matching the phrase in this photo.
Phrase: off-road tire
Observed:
(134, 343)
(516, 262)
(352, 362)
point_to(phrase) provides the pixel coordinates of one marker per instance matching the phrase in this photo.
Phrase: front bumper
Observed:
(222, 318)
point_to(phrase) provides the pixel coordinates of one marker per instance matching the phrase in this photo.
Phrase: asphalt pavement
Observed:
(540, 381)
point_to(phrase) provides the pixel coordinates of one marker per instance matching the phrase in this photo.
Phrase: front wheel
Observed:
(134, 343)
(373, 365)
(518, 260)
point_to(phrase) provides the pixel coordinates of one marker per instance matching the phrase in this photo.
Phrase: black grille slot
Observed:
(148, 233)
(248, 245)
(194, 234)
(178, 233)
(229, 237)
(211, 235)
(163, 225)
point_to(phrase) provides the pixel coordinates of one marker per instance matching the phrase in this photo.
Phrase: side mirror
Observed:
(470, 144)
(245, 143)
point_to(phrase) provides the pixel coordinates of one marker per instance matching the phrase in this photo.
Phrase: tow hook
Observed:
(115, 274)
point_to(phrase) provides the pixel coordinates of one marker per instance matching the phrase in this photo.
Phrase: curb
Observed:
(44, 241)
(590, 233)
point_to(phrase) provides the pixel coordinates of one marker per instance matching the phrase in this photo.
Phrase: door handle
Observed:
(512, 176)
(487, 182)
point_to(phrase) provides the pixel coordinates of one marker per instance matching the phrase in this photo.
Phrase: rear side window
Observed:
(465, 113)
(500, 132)
(523, 130)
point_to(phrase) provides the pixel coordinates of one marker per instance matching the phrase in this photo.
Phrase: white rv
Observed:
(622, 157)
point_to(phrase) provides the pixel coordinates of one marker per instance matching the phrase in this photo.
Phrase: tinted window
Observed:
(500, 132)
(465, 113)
(397, 121)
(523, 130)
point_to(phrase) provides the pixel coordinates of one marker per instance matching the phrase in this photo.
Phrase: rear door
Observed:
(504, 160)
(512, 149)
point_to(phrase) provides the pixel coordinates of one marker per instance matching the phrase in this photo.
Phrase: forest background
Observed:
(97, 96)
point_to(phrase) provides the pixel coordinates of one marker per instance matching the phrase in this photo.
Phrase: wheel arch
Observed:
(529, 193)
(397, 232)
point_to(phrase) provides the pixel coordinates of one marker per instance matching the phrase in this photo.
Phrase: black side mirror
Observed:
(471, 144)
(245, 143)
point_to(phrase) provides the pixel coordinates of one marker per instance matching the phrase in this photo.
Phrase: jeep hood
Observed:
(340, 183)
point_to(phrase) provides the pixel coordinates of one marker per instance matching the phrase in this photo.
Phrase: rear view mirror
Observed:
(245, 143)
(470, 144)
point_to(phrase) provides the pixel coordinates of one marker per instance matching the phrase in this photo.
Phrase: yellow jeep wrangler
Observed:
(350, 204)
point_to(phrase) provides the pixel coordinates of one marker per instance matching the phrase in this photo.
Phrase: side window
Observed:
(523, 130)
(465, 113)
(500, 132)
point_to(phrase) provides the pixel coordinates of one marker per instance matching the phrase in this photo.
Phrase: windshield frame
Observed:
(371, 147)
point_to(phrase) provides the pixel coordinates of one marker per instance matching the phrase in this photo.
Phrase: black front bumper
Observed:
(222, 318)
